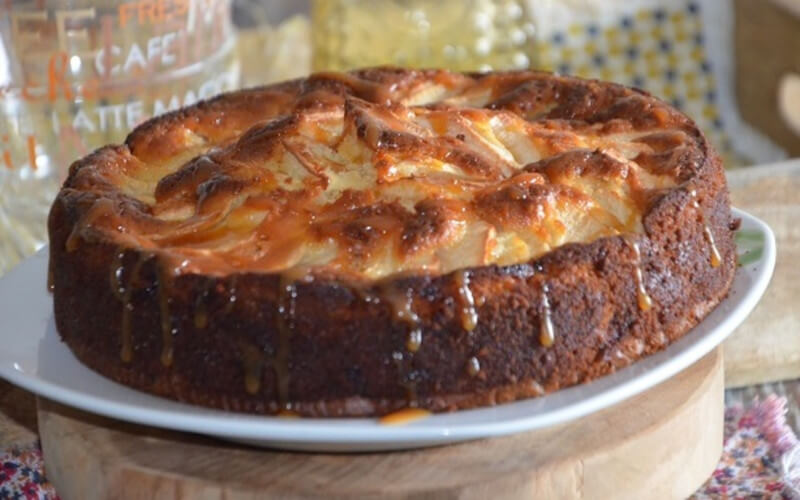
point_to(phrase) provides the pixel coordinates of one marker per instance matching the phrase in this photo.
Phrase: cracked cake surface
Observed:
(351, 244)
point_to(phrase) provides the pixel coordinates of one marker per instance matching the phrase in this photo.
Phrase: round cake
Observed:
(352, 244)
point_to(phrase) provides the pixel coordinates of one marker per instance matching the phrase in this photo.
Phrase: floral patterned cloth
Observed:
(749, 467)
(22, 475)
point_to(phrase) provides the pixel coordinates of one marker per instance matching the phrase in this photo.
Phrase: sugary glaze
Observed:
(355, 244)
(428, 172)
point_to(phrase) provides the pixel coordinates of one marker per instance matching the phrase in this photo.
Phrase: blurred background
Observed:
(78, 74)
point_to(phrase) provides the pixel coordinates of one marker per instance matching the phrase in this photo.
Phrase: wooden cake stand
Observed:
(663, 443)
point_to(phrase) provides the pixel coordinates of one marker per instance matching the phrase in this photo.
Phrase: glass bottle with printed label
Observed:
(76, 75)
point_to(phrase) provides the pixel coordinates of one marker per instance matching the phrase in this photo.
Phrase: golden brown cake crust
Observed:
(604, 225)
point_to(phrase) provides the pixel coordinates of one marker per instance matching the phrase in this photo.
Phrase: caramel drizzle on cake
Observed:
(200, 319)
(252, 366)
(367, 180)
(547, 332)
(473, 366)
(285, 323)
(469, 314)
(167, 329)
(372, 189)
(123, 288)
(715, 257)
(404, 416)
(643, 298)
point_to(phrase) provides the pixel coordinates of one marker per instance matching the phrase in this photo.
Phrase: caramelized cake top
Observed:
(378, 172)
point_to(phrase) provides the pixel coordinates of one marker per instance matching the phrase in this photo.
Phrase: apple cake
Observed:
(351, 244)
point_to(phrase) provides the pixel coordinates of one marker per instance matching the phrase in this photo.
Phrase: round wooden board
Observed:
(661, 444)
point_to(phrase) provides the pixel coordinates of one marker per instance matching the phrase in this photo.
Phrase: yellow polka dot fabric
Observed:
(661, 50)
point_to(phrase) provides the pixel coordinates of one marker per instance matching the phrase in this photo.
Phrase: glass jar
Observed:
(464, 35)
(274, 40)
(75, 75)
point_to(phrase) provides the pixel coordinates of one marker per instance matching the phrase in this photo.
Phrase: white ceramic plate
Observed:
(32, 356)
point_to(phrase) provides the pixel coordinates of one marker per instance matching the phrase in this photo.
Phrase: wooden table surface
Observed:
(17, 416)
(767, 346)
